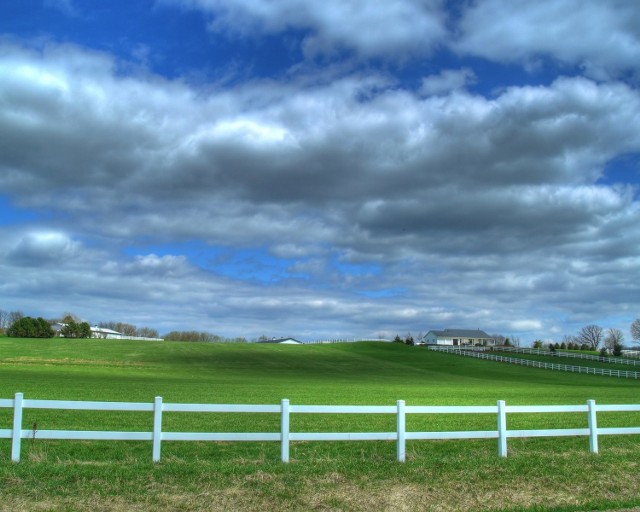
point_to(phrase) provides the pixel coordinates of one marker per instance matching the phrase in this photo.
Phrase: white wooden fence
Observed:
(560, 353)
(344, 340)
(537, 364)
(285, 436)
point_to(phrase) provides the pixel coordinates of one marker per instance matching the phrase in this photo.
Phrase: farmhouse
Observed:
(458, 337)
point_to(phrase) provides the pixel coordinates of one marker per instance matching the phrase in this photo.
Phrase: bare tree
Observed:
(635, 330)
(68, 317)
(121, 327)
(202, 336)
(4, 319)
(591, 335)
(14, 316)
(147, 332)
(500, 338)
(614, 338)
(127, 329)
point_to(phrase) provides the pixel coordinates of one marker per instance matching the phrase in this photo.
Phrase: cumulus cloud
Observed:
(388, 30)
(41, 249)
(233, 164)
(481, 199)
(447, 80)
(603, 40)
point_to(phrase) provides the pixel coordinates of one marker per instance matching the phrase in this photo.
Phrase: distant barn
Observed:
(282, 341)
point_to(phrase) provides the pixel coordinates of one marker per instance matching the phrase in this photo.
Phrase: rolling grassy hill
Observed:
(358, 373)
(540, 474)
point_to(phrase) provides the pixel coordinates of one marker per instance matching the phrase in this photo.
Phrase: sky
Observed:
(322, 170)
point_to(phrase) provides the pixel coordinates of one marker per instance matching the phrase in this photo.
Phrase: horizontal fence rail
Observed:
(537, 364)
(285, 409)
(561, 353)
(343, 340)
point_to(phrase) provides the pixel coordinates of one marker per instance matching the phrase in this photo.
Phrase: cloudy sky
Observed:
(343, 168)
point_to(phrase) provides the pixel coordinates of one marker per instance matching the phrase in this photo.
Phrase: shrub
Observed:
(76, 330)
(617, 350)
(28, 327)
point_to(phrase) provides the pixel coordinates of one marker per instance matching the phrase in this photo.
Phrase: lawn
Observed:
(539, 474)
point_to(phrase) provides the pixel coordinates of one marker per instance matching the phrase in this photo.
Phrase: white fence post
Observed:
(401, 424)
(593, 427)
(502, 429)
(284, 430)
(157, 428)
(16, 433)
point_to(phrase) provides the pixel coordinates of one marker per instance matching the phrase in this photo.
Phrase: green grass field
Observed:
(539, 474)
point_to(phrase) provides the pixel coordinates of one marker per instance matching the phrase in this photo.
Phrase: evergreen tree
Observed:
(28, 327)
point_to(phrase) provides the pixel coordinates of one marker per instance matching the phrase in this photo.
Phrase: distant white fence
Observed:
(342, 340)
(124, 337)
(573, 355)
(537, 364)
(285, 436)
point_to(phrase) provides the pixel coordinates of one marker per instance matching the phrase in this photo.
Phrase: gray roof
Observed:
(462, 333)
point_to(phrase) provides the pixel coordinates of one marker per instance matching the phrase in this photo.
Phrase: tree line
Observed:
(590, 337)
(16, 324)
(201, 336)
(130, 329)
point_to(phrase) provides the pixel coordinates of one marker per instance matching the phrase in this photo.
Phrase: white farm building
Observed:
(459, 337)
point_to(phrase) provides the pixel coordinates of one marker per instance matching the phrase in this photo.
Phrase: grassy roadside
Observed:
(356, 477)
(539, 474)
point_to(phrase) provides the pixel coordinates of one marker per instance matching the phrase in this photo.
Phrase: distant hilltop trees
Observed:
(16, 324)
(200, 336)
(129, 329)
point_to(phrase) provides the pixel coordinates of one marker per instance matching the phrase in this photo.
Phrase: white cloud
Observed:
(389, 29)
(526, 325)
(43, 249)
(471, 206)
(601, 37)
(446, 81)
(65, 6)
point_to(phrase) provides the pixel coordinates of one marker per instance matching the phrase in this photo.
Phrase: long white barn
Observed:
(104, 333)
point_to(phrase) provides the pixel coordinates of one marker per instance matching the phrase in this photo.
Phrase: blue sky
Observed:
(322, 169)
